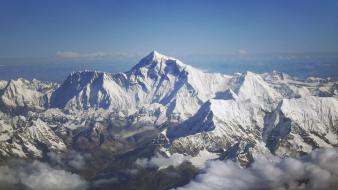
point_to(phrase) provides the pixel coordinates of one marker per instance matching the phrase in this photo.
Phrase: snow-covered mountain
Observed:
(23, 95)
(189, 110)
(156, 79)
(300, 125)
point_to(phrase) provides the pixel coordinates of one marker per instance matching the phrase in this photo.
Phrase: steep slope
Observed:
(3, 84)
(222, 117)
(90, 89)
(24, 138)
(251, 87)
(23, 95)
(300, 125)
(242, 130)
(230, 127)
(181, 88)
(6, 130)
(244, 117)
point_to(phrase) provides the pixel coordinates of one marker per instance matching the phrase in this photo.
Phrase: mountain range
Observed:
(173, 107)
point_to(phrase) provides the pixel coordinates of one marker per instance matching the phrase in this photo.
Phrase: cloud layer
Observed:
(40, 176)
(319, 170)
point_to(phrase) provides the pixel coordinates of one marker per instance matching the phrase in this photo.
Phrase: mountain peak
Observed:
(155, 55)
(157, 60)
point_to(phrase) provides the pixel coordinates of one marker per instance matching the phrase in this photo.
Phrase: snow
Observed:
(303, 123)
(3, 84)
(312, 113)
(180, 88)
(6, 131)
(23, 93)
(211, 112)
(202, 157)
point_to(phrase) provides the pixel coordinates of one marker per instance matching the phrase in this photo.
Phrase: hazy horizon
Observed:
(41, 39)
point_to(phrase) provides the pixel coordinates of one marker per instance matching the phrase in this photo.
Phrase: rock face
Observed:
(238, 116)
(21, 137)
(19, 95)
(300, 125)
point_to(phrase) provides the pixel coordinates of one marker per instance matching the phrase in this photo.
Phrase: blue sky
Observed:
(54, 31)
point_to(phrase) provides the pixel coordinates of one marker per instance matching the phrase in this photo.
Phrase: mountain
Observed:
(157, 79)
(217, 126)
(87, 89)
(171, 107)
(21, 137)
(300, 125)
(23, 95)
(294, 127)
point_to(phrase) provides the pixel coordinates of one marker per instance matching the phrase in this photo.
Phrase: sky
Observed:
(71, 32)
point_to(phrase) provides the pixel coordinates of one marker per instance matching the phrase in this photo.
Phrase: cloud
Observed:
(91, 56)
(176, 159)
(160, 161)
(72, 159)
(77, 55)
(319, 170)
(100, 182)
(40, 176)
(242, 52)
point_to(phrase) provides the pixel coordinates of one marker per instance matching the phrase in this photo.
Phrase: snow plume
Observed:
(161, 162)
(38, 176)
(319, 170)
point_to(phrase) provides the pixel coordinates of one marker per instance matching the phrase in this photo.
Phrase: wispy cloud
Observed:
(319, 170)
(77, 55)
(72, 159)
(161, 162)
(40, 176)
(90, 56)
(242, 52)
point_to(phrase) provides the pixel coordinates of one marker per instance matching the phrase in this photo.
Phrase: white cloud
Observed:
(77, 55)
(92, 56)
(319, 170)
(72, 159)
(160, 161)
(176, 159)
(40, 176)
(242, 52)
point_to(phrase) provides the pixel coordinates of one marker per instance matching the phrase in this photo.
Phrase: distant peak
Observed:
(154, 55)
(156, 58)
(154, 52)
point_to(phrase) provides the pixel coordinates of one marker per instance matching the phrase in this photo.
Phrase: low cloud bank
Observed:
(40, 176)
(319, 170)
